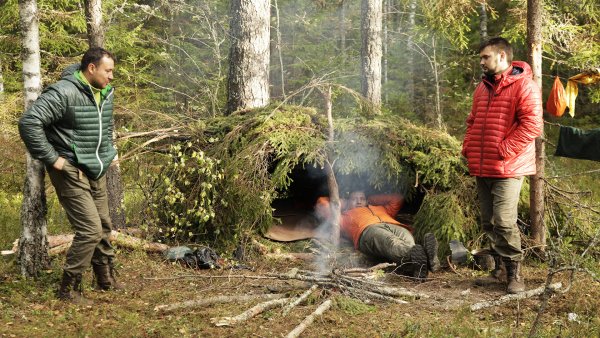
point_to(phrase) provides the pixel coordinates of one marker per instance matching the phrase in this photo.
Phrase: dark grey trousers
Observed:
(86, 204)
(386, 241)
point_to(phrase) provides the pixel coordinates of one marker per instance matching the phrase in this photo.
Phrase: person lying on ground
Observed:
(371, 226)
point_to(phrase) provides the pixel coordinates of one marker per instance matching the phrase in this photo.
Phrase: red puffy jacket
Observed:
(505, 119)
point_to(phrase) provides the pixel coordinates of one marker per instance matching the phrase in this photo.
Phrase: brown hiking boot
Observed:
(418, 259)
(431, 249)
(105, 278)
(516, 284)
(71, 289)
(496, 276)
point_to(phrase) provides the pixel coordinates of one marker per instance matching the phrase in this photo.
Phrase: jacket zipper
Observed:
(487, 110)
(380, 221)
(100, 109)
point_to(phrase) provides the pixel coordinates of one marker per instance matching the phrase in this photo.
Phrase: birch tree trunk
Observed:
(33, 244)
(114, 182)
(248, 84)
(371, 51)
(483, 21)
(93, 19)
(534, 57)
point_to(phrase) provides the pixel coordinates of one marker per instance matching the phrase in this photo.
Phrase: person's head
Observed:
(97, 65)
(357, 199)
(495, 55)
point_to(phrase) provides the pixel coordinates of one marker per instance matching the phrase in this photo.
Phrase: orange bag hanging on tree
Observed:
(556, 103)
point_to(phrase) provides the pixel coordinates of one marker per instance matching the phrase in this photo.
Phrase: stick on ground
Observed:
(215, 300)
(298, 300)
(308, 320)
(255, 310)
(507, 298)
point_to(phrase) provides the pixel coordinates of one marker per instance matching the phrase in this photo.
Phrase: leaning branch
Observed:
(255, 310)
(308, 320)
(215, 300)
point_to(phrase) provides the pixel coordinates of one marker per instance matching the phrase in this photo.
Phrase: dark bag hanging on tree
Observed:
(557, 102)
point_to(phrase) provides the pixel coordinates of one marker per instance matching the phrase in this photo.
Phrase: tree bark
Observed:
(281, 71)
(371, 52)
(410, 53)
(342, 27)
(534, 57)
(483, 21)
(93, 19)
(1, 79)
(33, 244)
(334, 194)
(248, 84)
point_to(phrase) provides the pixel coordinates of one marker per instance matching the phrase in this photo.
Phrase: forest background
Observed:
(173, 64)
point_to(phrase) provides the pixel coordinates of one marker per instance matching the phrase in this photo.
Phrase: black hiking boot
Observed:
(496, 276)
(430, 244)
(105, 278)
(516, 284)
(71, 289)
(418, 259)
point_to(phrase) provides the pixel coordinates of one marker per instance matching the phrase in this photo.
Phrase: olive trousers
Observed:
(85, 202)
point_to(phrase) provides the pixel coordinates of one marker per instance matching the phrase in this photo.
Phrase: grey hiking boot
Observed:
(430, 244)
(516, 284)
(496, 276)
(418, 259)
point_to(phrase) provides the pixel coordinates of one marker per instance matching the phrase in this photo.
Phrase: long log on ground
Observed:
(380, 266)
(298, 300)
(215, 300)
(381, 288)
(308, 320)
(507, 298)
(255, 310)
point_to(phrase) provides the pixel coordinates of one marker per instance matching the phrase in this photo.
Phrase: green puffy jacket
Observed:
(65, 121)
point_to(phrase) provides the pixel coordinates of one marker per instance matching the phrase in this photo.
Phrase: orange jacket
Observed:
(380, 209)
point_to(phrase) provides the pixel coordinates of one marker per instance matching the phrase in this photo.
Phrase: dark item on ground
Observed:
(202, 258)
(459, 252)
(418, 260)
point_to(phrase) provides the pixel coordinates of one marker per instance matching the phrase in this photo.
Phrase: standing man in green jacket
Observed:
(69, 128)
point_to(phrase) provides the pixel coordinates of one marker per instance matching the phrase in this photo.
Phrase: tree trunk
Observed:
(33, 244)
(282, 73)
(436, 76)
(114, 182)
(93, 19)
(534, 53)
(483, 21)
(248, 84)
(411, 52)
(1, 80)
(386, 20)
(371, 51)
(342, 27)
(334, 193)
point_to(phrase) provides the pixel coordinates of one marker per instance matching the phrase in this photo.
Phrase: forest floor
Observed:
(29, 308)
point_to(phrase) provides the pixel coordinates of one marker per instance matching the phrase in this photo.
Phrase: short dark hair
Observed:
(94, 55)
(499, 44)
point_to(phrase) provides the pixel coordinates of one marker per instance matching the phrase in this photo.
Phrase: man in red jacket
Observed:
(374, 231)
(505, 119)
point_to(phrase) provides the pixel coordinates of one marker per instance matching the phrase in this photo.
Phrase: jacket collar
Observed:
(517, 70)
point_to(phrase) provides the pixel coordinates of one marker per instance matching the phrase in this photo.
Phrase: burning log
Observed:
(255, 310)
(215, 300)
(504, 299)
(308, 320)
